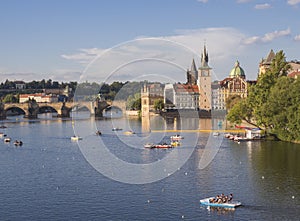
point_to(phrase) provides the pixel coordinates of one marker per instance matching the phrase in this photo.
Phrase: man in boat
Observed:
(230, 197)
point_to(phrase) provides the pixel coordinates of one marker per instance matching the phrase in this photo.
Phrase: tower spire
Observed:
(204, 57)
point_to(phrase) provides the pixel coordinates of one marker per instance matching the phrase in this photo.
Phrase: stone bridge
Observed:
(63, 109)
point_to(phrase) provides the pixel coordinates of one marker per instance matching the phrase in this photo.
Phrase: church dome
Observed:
(237, 71)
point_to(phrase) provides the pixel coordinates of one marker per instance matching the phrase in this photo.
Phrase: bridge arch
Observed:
(15, 108)
(46, 105)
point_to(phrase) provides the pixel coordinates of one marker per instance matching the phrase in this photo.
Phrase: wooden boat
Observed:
(176, 137)
(232, 204)
(76, 138)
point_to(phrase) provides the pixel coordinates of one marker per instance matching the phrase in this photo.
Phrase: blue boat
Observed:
(232, 204)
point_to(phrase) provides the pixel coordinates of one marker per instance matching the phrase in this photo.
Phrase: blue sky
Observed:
(58, 38)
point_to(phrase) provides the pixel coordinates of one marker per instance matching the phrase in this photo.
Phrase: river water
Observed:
(49, 178)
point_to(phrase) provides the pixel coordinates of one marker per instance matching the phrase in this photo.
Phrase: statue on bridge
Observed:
(33, 109)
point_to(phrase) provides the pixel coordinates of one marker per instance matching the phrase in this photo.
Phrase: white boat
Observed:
(76, 138)
(176, 137)
(2, 135)
(129, 132)
(231, 204)
(149, 145)
(7, 140)
(216, 134)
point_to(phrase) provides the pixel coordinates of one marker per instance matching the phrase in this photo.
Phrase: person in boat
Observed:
(230, 197)
(98, 132)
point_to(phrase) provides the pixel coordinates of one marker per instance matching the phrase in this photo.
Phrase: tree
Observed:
(10, 98)
(272, 103)
(283, 106)
(232, 100)
(134, 102)
(159, 104)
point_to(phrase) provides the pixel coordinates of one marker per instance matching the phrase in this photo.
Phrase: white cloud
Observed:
(297, 38)
(293, 2)
(84, 56)
(268, 37)
(276, 34)
(168, 55)
(262, 6)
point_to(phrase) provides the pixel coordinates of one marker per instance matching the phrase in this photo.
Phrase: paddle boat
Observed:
(98, 133)
(216, 134)
(231, 204)
(2, 134)
(18, 143)
(76, 138)
(6, 140)
(176, 137)
(175, 143)
(130, 132)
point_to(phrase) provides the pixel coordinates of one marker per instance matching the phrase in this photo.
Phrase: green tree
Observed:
(268, 104)
(10, 98)
(159, 104)
(232, 100)
(134, 102)
(283, 106)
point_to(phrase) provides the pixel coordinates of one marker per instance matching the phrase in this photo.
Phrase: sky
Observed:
(106, 40)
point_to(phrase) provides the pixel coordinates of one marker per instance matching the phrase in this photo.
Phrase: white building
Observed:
(186, 96)
(40, 98)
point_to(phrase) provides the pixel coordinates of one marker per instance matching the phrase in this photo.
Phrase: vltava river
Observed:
(49, 178)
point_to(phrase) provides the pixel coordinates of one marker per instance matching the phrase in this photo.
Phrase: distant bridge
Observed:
(63, 109)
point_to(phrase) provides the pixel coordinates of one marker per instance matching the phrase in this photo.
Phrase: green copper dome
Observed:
(237, 71)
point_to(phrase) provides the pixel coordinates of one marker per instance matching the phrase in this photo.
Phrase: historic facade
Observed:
(235, 84)
(265, 63)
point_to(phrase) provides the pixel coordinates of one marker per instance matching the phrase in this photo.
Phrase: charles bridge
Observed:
(63, 109)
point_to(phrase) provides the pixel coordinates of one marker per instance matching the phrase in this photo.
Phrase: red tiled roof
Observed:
(294, 74)
(186, 88)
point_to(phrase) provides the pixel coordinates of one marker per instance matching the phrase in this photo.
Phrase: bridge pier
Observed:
(97, 108)
(2, 112)
(32, 110)
(64, 112)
